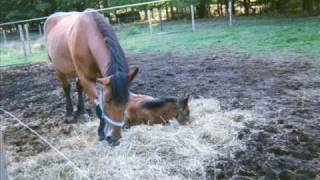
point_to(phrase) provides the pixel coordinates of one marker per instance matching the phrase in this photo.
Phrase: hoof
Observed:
(113, 141)
(70, 120)
(102, 138)
(84, 117)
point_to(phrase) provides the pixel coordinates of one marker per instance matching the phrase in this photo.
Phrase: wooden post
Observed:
(119, 23)
(192, 18)
(150, 21)
(160, 18)
(26, 28)
(3, 160)
(230, 13)
(22, 40)
(107, 19)
(40, 30)
(4, 37)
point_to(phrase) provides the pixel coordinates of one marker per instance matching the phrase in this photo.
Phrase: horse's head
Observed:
(113, 100)
(183, 112)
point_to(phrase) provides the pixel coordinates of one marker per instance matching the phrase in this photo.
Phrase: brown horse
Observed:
(144, 109)
(83, 44)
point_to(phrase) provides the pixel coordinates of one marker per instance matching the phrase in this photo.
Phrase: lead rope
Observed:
(81, 172)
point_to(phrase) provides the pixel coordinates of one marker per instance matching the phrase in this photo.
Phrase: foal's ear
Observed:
(132, 74)
(105, 81)
(185, 101)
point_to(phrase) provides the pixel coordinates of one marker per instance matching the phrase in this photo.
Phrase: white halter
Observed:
(110, 123)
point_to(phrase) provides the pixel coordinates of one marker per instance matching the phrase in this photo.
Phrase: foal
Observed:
(143, 109)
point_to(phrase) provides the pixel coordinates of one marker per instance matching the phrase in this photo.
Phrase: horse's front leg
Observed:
(81, 111)
(102, 125)
(90, 88)
(67, 92)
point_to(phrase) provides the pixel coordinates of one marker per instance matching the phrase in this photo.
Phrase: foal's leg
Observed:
(67, 92)
(83, 115)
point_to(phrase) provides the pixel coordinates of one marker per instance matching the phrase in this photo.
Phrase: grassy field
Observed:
(281, 38)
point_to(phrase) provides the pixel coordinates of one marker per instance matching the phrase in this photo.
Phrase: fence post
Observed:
(22, 40)
(160, 18)
(107, 19)
(3, 160)
(119, 23)
(4, 37)
(230, 13)
(26, 28)
(150, 21)
(192, 18)
(40, 29)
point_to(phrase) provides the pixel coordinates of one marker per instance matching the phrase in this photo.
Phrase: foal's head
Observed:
(171, 107)
(183, 112)
(116, 94)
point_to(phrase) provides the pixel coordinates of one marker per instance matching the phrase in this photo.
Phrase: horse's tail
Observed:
(118, 58)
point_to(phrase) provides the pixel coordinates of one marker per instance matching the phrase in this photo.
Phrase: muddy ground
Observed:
(284, 96)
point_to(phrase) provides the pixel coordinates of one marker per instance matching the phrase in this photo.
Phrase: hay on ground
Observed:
(145, 152)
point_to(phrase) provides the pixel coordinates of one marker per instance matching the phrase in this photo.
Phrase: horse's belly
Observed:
(60, 56)
(64, 66)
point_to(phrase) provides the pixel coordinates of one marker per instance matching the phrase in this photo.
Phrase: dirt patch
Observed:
(284, 97)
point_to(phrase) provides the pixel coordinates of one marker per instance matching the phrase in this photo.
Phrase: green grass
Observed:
(282, 38)
(10, 57)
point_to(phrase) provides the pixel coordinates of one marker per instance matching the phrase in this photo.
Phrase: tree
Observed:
(202, 8)
(246, 4)
(307, 6)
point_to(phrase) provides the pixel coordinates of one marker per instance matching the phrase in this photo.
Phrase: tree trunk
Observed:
(172, 12)
(105, 3)
(202, 9)
(233, 8)
(226, 2)
(220, 8)
(307, 6)
(246, 4)
(167, 13)
(318, 6)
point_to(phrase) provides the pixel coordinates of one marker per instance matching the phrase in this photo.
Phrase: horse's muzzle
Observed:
(113, 140)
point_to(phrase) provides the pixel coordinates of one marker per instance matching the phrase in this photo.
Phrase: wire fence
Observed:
(22, 42)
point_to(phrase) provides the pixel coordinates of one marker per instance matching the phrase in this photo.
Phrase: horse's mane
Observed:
(118, 60)
(158, 102)
(118, 66)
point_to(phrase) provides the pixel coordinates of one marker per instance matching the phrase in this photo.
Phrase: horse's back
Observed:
(59, 35)
(59, 21)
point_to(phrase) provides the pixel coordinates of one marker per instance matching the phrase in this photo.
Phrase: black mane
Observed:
(158, 102)
(118, 66)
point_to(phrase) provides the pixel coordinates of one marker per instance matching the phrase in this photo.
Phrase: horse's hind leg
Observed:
(83, 115)
(67, 92)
